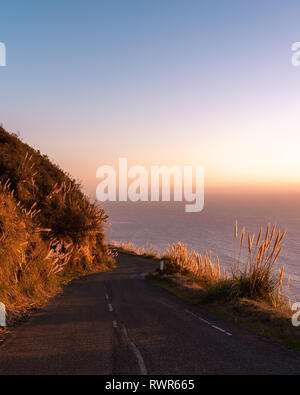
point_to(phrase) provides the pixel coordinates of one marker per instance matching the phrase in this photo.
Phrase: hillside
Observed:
(49, 230)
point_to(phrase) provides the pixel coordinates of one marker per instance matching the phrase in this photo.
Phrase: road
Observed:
(118, 323)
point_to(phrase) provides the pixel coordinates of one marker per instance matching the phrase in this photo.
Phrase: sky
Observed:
(160, 82)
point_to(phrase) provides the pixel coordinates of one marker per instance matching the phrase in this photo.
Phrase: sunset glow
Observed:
(157, 93)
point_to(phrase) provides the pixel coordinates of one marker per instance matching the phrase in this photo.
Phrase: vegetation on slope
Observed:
(49, 231)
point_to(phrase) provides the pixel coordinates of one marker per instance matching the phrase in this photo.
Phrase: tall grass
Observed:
(252, 273)
(28, 264)
(49, 230)
(34, 261)
(148, 251)
(179, 259)
(56, 200)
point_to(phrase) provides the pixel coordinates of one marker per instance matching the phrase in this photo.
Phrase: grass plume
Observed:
(49, 230)
(251, 275)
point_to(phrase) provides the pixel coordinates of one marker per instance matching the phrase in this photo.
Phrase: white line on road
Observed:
(106, 296)
(199, 318)
(219, 329)
(110, 307)
(115, 324)
(209, 323)
(137, 353)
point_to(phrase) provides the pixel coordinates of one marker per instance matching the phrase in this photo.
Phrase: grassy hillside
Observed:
(49, 231)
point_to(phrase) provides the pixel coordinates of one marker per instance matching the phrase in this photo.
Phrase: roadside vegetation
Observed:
(252, 274)
(251, 292)
(49, 231)
(150, 252)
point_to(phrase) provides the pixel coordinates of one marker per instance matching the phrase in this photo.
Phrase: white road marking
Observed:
(219, 329)
(110, 307)
(115, 324)
(137, 353)
(209, 323)
(199, 318)
(106, 296)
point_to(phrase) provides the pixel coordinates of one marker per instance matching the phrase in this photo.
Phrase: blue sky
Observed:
(157, 81)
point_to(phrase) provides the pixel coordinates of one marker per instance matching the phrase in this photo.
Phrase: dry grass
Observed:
(28, 264)
(252, 289)
(33, 263)
(49, 231)
(56, 200)
(151, 252)
(252, 273)
(179, 259)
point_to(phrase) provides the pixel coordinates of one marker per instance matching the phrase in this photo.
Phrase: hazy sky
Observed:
(157, 81)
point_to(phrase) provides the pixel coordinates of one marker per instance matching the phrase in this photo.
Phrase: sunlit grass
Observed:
(49, 230)
(149, 251)
(252, 273)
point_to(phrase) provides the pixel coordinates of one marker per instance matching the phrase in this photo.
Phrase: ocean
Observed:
(164, 223)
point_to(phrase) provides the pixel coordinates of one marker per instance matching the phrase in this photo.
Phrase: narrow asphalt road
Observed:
(118, 323)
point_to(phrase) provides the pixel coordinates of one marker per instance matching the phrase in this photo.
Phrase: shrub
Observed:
(252, 271)
(28, 263)
(47, 225)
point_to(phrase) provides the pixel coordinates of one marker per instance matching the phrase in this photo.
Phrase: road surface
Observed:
(118, 323)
